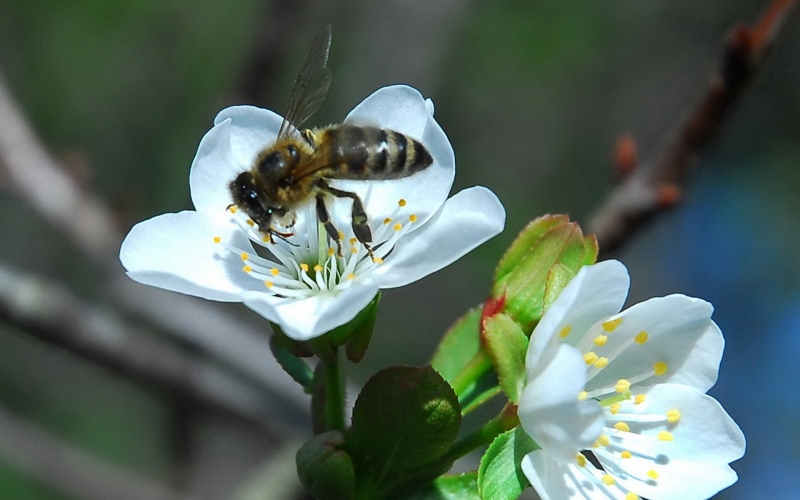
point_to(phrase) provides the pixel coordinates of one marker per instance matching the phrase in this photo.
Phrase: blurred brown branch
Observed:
(50, 312)
(655, 185)
(87, 221)
(70, 470)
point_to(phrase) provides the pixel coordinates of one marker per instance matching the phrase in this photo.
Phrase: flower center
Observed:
(308, 262)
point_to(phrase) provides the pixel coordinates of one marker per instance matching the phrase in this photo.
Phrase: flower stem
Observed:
(475, 369)
(334, 393)
(505, 421)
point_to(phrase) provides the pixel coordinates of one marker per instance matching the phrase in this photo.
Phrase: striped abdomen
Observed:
(370, 153)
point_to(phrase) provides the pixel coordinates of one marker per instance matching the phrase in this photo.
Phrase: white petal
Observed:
(177, 252)
(560, 481)
(304, 319)
(403, 109)
(694, 464)
(467, 219)
(549, 409)
(676, 326)
(252, 129)
(213, 168)
(596, 292)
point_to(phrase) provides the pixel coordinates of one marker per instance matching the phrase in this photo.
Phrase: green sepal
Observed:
(458, 346)
(325, 469)
(404, 420)
(558, 278)
(500, 473)
(526, 240)
(294, 366)
(506, 344)
(523, 286)
(591, 250)
(363, 324)
(354, 335)
(451, 487)
(295, 347)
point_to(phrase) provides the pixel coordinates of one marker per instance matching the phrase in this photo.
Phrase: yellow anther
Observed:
(274, 271)
(600, 340)
(330, 252)
(412, 218)
(632, 496)
(604, 440)
(622, 426)
(608, 479)
(601, 362)
(268, 284)
(652, 474)
(318, 268)
(341, 236)
(582, 395)
(387, 221)
(622, 385)
(590, 357)
(641, 337)
(266, 238)
(354, 250)
(217, 239)
(625, 454)
(565, 331)
(581, 460)
(660, 368)
(304, 267)
(250, 223)
(673, 416)
(611, 324)
(614, 408)
(247, 269)
(377, 260)
(639, 399)
(244, 256)
(232, 209)
(665, 436)
(398, 226)
(353, 241)
(351, 276)
(402, 202)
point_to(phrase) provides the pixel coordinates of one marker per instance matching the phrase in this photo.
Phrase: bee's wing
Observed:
(311, 84)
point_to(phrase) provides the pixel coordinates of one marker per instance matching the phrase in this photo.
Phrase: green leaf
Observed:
(524, 286)
(404, 419)
(294, 366)
(526, 240)
(557, 279)
(325, 469)
(459, 345)
(507, 344)
(500, 473)
(452, 487)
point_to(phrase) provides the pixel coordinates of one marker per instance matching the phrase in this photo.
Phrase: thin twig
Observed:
(656, 185)
(70, 470)
(49, 312)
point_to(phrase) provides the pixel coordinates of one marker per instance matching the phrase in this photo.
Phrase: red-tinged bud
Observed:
(668, 195)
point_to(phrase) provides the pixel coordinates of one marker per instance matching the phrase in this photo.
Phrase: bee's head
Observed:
(255, 204)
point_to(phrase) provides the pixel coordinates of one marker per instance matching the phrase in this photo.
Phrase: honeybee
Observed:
(296, 167)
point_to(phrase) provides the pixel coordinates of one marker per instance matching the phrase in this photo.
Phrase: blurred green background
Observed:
(533, 96)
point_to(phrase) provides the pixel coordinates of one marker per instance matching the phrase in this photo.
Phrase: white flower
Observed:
(629, 387)
(301, 283)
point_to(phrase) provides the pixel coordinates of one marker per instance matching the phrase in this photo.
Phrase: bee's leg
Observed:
(358, 215)
(325, 218)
